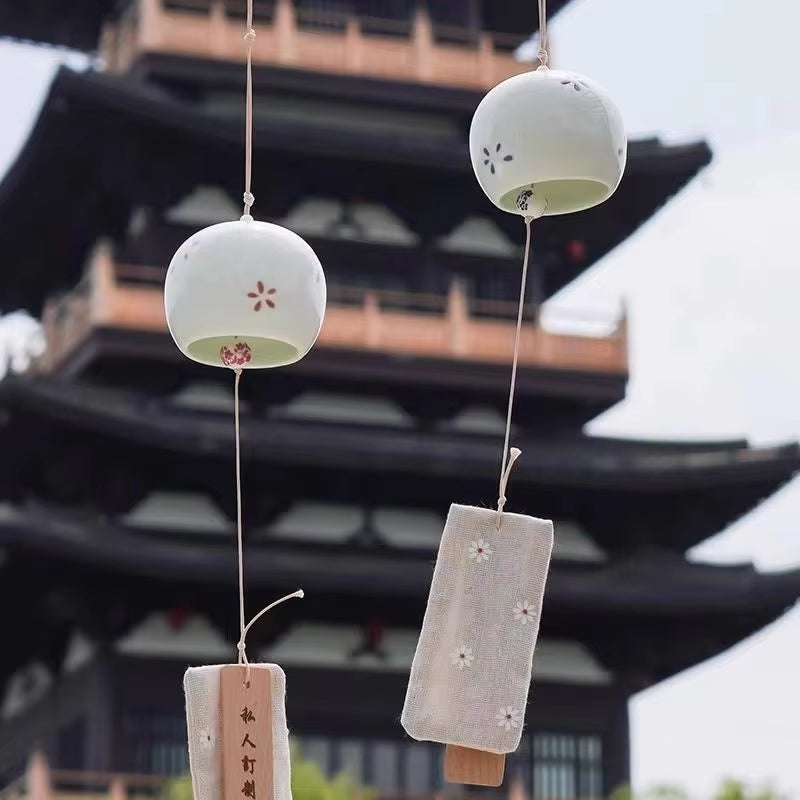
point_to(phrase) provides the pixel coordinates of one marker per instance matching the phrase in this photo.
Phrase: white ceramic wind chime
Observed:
(242, 295)
(541, 143)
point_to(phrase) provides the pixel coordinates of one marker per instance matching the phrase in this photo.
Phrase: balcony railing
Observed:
(315, 40)
(40, 782)
(447, 327)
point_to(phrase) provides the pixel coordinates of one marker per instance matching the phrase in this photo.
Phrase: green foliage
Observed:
(729, 789)
(667, 791)
(732, 789)
(308, 783)
(623, 792)
(180, 789)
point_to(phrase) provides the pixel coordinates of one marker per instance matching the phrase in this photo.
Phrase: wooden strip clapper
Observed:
(474, 767)
(247, 746)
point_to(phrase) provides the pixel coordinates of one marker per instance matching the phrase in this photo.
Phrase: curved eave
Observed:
(645, 618)
(101, 145)
(146, 103)
(641, 587)
(580, 461)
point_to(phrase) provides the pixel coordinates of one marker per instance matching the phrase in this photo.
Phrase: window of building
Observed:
(566, 767)
(159, 743)
(552, 766)
(385, 766)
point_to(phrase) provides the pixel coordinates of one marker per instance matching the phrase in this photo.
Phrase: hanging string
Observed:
(249, 199)
(542, 54)
(239, 548)
(249, 37)
(244, 629)
(509, 457)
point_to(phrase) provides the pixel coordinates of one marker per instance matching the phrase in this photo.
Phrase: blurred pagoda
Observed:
(117, 564)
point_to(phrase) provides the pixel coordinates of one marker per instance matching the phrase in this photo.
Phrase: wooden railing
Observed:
(310, 39)
(42, 783)
(449, 327)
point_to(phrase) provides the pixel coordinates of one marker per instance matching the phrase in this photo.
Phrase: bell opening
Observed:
(244, 352)
(556, 197)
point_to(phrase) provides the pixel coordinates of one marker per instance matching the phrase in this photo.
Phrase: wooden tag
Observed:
(476, 767)
(247, 757)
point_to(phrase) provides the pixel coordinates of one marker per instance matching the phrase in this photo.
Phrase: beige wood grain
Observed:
(247, 748)
(475, 767)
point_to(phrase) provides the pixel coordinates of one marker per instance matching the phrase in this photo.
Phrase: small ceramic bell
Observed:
(245, 294)
(547, 142)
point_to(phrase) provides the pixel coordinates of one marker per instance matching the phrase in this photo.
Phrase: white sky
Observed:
(713, 287)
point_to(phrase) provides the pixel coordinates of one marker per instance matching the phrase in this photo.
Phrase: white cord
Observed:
(510, 458)
(244, 629)
(249, 37)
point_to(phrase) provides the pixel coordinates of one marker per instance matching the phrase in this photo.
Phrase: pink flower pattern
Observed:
(237, 356)
(261, 297)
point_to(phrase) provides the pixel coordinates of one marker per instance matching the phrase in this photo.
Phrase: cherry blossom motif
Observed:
(509, 718)
(261, 297)
(524, 612)
(462, 657)
(479, 550)
(490, 159)
(575, 84)
(237, 356)
(206, 738)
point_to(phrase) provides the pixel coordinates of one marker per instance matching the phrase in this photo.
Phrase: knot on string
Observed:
(543, 57)
(250, 36)
(249, 199)
(513, 454)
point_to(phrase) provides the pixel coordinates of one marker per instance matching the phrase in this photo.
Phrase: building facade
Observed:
(117, 558)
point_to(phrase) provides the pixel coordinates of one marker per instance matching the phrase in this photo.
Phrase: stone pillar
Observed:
(101, 281)
(517, 789)
(38, 779)
(458, 318)
(118, 790)
(217, 29)
(486, 60)
(285, 27)
(354, 57)
(422, 42)
(372, 320)
(149, 24)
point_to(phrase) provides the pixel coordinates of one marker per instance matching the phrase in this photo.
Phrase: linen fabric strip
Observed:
(201, 686)
(471, 673)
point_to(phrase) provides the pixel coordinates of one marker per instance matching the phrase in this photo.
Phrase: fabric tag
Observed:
(472, 669)
(202, 687)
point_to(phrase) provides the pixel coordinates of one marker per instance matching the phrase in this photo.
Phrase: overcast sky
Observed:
(713, 288)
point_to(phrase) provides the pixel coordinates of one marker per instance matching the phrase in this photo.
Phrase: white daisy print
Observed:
(508, 718)
(462, 657)
(207, 738)
(479, 550)
(524, 612)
